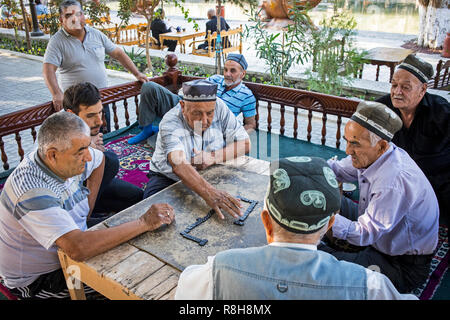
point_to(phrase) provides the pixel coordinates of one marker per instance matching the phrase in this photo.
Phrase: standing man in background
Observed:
(78, 52)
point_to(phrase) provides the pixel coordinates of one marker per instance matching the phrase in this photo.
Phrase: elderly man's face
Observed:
(92, 115)
(406, 90)
(71, 162)
(359, 146)
(233, 73)
(199, 115)
(72, 19)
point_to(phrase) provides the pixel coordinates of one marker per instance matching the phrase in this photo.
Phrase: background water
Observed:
(393, 16)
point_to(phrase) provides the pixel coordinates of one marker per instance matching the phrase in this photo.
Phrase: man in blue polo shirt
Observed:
(157, 100)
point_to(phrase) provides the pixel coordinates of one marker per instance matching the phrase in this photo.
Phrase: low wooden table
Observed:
(181, 37)
(143, 268)
(390, 57)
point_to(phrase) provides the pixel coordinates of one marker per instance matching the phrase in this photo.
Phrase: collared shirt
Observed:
(239, 99)
(79, 61)
(36, 208)
(427, 140)
(398, 210)
(196, 281)
(176, 135)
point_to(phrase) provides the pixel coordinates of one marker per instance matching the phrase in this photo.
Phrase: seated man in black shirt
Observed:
(158, 27)
(425, 134)
(211, 25)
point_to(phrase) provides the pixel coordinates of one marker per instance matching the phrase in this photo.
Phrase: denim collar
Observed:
(294, 245)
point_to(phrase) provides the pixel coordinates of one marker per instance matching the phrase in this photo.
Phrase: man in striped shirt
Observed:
(157, 100)
(44, 206)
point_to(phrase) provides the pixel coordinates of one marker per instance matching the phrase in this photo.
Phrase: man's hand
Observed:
(157, 215)
(217, 200)
(141, 77)
(202, 159)
(58, 101)
(97, 142)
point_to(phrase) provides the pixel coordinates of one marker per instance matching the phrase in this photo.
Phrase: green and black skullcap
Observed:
(303, 193)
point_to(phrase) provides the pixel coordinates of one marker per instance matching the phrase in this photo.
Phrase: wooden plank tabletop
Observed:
(383, 54)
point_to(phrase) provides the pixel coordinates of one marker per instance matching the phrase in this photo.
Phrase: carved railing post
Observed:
(172, 74)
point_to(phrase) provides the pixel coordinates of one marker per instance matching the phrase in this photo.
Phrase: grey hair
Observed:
(374, 138)
(58, 130)
(211, 12)
(67, 3)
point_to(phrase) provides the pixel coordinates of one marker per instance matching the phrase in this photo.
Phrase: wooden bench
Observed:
(133, 34)
(231, 41)
(125, 35)
(442, 78)
(275, 99)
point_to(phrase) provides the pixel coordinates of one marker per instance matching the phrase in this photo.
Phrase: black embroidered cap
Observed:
(199, 90)
(418, 67)
(377, 118)
(303, 193)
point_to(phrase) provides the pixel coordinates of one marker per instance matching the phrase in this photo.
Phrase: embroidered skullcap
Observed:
(377, 118)
(421, 69)
(199, 90)
(239, 58)
(303, 193)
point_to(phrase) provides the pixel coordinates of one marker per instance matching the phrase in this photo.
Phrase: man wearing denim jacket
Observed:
(302, 199)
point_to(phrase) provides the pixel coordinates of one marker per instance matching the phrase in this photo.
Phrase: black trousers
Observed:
(156, 182)
(406, 272)
(171, 44)
(114, 194)
(51, 286)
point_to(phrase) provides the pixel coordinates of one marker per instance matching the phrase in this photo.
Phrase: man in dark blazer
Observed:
(211, 25)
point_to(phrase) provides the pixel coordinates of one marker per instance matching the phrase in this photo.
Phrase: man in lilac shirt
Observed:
(396, 220)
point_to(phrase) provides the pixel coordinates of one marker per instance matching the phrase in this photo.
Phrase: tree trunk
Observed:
(219, 53)
(25, 24)
(149, 68)
(434, 22)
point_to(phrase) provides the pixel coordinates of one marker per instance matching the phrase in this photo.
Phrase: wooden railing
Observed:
(442, 78)
(276, 99)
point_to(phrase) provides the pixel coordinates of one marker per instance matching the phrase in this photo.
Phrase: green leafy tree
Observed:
(147, 8)
(280, 50)
(13, 9)
(336, 60)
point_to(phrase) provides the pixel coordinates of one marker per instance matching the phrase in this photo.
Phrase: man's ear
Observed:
(51, 155)
(424, 88)
(71, 111)
(243, 74)
(182, 105)
(267, 222)
(331, 222)
(384, 145)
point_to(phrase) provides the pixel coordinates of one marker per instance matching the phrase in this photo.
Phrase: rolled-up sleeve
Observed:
(382, 214)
